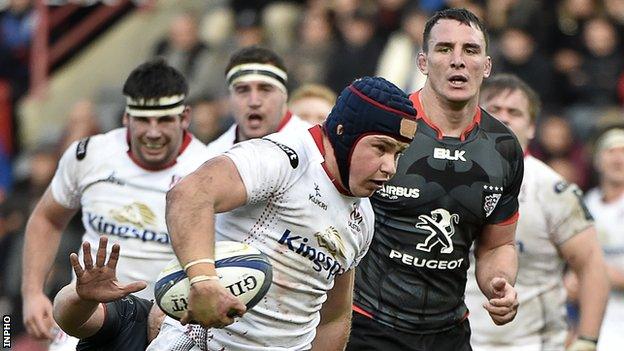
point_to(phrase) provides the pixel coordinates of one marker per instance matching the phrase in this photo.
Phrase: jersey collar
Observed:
(317, 135)
(186, 140)
(476, 119)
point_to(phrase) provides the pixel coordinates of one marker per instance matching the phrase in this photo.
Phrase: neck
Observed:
(330, 161)
(611, 191)
(452, 118)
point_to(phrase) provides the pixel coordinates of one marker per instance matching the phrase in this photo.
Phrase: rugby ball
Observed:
(242, 269)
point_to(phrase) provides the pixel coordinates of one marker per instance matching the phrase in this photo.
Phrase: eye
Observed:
(141, 119)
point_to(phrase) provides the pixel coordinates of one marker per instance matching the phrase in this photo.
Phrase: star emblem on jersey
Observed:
(440, 225)
(491, 195)
(136, 213)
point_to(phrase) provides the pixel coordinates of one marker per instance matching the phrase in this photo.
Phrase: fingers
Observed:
(40, 327)
(134, 287)
(86, 253)
(100, 256)
(114, 257)
(75, 263)
(498, 286)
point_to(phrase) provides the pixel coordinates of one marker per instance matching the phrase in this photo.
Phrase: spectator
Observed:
(312, 102)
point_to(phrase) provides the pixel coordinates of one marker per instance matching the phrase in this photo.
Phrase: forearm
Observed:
(333, 335)
(501, 261)
(71, 312)
(593, 295)
(40, 246)
(190, 221)
(616, 277)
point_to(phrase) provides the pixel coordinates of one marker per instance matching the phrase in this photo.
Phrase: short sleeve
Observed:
(567, 213)
(265, 166)
(65, 184)
(508, 205)
(367, 233)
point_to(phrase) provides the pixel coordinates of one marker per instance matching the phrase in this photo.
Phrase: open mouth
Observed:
(378, 183)
(254, 119)
(458, 79)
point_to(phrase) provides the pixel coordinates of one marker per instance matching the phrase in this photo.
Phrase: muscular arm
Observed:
(332, 332)
(584, 255)
(191, 205)
(496, 269)
(77, 317)
(43, 234)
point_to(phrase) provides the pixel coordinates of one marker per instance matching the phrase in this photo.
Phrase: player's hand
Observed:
(99, 283)
(211, 306)
(503, 305)
(38, 316)
(582, 345)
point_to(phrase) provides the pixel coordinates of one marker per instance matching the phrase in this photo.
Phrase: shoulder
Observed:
(97, 146)
(296, 146)
(505, 140)
(296, 123)
(223, 143)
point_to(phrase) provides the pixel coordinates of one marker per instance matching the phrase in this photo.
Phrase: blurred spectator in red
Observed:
(389, 16)
(556, 141)
(312, 102)
(398, 61)
(184, 50)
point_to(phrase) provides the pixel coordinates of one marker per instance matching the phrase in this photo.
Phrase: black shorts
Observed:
(369, 335)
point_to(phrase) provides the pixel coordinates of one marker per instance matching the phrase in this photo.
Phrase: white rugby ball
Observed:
(242, 269)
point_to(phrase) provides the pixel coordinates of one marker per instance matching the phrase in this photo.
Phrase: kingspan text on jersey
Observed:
(102, 225)
(322, 260)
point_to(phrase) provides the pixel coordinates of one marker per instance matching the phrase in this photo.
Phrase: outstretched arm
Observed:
(42, 237)
(78, 308)
(215, 187)
(332, 333)
(496, 269)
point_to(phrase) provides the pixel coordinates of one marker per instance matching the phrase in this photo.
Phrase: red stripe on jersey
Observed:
(514, 218)
(362, 312)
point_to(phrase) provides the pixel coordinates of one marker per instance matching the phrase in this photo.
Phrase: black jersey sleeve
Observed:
(125, 323)
(508, 205)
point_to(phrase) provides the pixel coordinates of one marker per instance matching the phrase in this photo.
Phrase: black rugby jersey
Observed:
(445, 191)
(125, 327)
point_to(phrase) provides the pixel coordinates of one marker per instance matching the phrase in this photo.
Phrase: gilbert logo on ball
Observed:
(242, 269)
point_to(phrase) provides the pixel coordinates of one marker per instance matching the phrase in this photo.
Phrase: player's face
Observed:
(156, 141)
(258, 108)
(512, 108)
(311, 109)
(456, 61)
(373, 163)
(610, 164)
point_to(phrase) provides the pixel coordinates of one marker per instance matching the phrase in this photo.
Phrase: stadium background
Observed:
(62, 65)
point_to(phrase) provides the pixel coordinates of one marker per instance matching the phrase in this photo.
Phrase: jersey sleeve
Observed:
(568, 215)
(65, 183)
(265, 166)
(367, 233)
(507, 207)
(119, 316)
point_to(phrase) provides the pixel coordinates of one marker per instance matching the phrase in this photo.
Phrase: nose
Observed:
(152, 130)
(255, 100)
(457, 59)
(388, 165)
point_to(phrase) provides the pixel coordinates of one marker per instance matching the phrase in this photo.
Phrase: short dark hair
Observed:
(255, 54)
(461, 15)
(505, 82)
(154, 79)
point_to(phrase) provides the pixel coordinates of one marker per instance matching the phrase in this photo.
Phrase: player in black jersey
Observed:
(102, 312)
(456, 184)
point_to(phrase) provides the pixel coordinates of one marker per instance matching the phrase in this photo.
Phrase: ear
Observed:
(488, 67)
(422, 62)
(185, 117)
(531, 131)
(125, 119)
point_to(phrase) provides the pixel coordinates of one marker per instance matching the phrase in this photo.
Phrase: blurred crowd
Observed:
(570, 51)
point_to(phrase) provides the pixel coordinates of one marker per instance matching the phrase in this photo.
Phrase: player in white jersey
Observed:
(297, 197)
(606, 204)
(554, 229)
(119, 179)
(256, 79)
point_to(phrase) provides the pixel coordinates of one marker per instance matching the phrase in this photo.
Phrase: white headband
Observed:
(155, 107)
(257, 71)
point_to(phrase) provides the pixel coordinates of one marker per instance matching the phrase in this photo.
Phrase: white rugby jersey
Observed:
(309, 230)
(551, 212)
(610, 228)
(224, 142)
(123, 201)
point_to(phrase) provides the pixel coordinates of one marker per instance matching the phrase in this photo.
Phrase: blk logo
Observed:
(446, 154)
